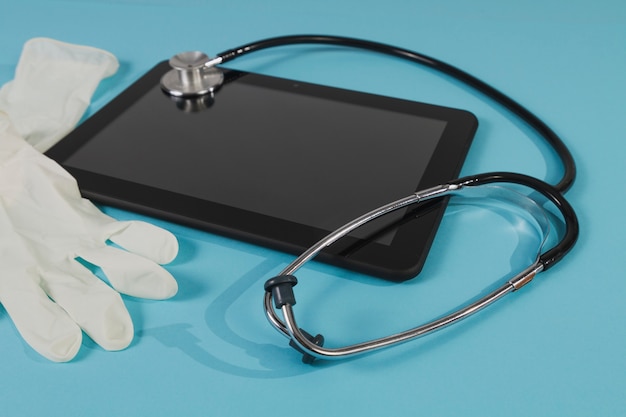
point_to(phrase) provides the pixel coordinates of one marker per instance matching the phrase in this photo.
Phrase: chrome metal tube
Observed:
(288, 326)
(296, 335)
(438, 191)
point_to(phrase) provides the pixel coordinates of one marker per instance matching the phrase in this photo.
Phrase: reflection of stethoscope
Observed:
(195, 75)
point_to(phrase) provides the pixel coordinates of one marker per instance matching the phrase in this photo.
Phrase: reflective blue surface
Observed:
(554, 348)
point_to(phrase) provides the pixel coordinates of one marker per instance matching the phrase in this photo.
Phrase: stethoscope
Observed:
(194, 75)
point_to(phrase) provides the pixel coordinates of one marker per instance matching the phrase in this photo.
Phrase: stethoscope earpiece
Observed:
(279, 295)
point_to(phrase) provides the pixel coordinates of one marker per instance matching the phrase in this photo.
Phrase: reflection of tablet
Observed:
(275, 162)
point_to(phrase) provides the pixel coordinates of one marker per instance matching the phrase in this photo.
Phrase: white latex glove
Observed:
(45, 225)
(52, 87)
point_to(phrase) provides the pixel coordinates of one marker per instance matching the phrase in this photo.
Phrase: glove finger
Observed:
(43, 324)
(93, 305)
(145, 239)
(132, 274)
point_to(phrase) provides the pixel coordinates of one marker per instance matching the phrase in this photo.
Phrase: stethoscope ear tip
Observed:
(281, 288)
(317, 340)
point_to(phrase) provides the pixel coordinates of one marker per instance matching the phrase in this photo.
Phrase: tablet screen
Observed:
(307, 157)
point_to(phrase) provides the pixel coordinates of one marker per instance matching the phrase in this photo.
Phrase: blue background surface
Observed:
(558, 347)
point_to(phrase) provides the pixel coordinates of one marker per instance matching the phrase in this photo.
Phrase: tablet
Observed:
(275, 162)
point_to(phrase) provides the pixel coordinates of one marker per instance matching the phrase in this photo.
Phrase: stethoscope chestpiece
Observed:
(192, 75)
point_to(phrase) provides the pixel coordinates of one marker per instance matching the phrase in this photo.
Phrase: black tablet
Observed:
(275, 162)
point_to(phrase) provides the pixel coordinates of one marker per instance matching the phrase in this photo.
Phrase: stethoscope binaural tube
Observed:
(279, 290)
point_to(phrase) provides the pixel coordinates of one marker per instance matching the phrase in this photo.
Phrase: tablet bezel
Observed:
(401, 260)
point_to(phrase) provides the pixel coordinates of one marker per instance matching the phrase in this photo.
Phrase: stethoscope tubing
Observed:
(569, 166)
(279, 290)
